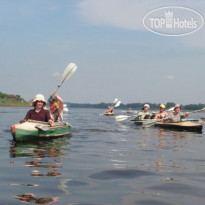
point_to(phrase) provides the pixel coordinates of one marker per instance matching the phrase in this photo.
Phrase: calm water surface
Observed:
(102, 163)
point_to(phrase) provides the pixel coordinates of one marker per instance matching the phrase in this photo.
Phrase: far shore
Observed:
(14, 105)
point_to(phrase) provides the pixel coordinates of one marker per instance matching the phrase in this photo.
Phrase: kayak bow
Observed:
(32, 130)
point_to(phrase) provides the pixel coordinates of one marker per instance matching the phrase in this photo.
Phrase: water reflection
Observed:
(30, 198)
(41, 156)
(40, 149)
(164, 141)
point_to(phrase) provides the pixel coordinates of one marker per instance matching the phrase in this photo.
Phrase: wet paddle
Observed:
(115, 101)
(201, 110)
(123, 117)
(149, 122)
(41, 127)
(117, 104)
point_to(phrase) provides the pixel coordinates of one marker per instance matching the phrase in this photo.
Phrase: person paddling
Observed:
(144, 114)
(56, 108)
(109, 110)
(177, 115)
(39, 113)
(162, 113)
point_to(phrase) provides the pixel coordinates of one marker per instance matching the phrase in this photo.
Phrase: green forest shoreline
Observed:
(136, 106)
(133, 106)
(10, 100)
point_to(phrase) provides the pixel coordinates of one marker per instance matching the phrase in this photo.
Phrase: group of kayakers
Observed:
(39, 113)
(55, 112)
(162, 115)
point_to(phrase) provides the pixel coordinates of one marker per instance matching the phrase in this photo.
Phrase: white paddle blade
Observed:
(201, 110)
(65, 109)
(115, 101)
(69, 71)
(170, 109)
(121, 118)
(118, 104)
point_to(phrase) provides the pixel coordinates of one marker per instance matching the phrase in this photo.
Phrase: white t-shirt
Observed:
(57, 115)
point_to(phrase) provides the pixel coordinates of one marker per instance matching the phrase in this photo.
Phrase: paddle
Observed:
(149, 122)
(202, 120)
(123, 117)
(68, 72)
(115, 101)
(201, 110)
(170, 109)
(41, 127)
(118, 104)
(46, 128)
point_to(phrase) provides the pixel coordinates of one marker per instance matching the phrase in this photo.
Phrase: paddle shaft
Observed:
(201, 110)
(70, 69)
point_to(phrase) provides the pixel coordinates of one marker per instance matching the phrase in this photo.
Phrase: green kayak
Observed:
(35, 130)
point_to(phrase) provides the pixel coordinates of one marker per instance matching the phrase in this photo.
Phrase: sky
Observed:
(115, 54)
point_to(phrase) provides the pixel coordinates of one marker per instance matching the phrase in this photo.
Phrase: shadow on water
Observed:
(120, 174)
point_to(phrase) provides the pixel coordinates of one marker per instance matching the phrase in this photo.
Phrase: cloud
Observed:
(118, 13)
(56, 74)
(28, 62)
(129, 14)
(170, 77)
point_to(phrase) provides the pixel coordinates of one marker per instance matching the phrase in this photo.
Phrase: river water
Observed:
(102, 162)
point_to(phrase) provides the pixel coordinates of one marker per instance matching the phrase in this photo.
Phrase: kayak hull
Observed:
(35, 130)
(109, 114)
(180, 126)
(138, 122)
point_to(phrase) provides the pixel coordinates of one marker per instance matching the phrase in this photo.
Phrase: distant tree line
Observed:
(6, 96)
(133, 106)
(136, 106)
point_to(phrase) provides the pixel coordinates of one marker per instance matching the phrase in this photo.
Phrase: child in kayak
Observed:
(56, 108)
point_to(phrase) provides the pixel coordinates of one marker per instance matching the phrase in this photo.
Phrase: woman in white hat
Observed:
(39, 113)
